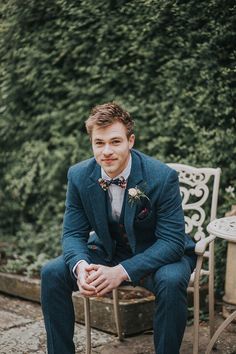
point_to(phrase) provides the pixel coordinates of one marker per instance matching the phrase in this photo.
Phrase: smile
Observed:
(108, 160)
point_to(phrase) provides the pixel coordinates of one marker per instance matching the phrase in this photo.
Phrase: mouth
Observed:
(108, 160)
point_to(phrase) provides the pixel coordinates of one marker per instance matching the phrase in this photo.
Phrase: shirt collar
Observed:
(125, 173)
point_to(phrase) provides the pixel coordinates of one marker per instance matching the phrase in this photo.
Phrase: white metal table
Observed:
(224, 228)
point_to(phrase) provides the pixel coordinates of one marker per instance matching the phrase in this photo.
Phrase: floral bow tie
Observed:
(105, 183)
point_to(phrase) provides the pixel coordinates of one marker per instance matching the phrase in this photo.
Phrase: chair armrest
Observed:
(201, 245)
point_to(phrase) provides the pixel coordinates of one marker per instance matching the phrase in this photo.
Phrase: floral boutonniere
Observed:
(135, 195)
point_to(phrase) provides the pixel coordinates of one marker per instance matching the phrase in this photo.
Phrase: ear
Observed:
(131, 141)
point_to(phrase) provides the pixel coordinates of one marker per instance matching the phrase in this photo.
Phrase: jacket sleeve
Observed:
(169, 233)
(76, 227)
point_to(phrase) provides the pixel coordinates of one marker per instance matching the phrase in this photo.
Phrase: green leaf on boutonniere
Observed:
(135, 195)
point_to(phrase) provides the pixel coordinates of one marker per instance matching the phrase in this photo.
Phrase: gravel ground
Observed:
(22, 332)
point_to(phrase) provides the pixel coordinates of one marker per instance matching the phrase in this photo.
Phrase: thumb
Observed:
(91, 267)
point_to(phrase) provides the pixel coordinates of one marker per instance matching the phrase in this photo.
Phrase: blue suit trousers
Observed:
(169, 285)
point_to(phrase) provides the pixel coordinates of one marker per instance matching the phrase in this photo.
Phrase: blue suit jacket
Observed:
(157, 239)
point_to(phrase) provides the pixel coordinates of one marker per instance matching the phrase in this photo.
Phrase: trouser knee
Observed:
(49, 273)
(170, 285)
(55, 274)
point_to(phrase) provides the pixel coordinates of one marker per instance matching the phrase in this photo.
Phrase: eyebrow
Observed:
(113, 138)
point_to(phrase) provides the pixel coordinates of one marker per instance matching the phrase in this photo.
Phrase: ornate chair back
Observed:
(199, 190)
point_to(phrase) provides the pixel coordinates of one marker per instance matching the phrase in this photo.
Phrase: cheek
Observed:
(95, 153)
(123, 150)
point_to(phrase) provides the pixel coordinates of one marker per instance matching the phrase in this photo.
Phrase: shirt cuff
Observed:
(126, 273)
(74, 268)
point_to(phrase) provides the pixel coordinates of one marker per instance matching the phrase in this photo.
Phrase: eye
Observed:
(116, 142)
(98, 143)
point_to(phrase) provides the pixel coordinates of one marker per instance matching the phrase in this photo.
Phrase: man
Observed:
(123, 222)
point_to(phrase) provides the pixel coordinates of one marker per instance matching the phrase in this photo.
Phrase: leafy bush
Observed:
(169, 63)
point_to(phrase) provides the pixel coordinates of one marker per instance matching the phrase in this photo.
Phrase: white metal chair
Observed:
(199, 190)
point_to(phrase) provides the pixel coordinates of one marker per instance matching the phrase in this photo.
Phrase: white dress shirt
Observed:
(116, 193)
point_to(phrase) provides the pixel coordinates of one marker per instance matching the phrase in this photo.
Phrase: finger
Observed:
(98, 282)
(93, 276)
(91, 267)
(86, 286)
(87, 293)
(104, 291)
(102, 286)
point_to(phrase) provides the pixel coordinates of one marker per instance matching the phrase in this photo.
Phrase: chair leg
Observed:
(196, 305)
(211, 292)
(211, 310)
(211, 344)
(196, 323)
(117, 314)
(87, 324)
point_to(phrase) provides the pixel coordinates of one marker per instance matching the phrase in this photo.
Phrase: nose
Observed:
(107, 150)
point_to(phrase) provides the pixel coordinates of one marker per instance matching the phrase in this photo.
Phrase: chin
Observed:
(111, 172)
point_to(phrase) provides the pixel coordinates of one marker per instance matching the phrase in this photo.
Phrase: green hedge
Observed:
(170, 63)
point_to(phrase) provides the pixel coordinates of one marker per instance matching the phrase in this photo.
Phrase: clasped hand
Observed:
(97, 280)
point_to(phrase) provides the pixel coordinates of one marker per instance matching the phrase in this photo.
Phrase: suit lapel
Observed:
(135, 179)
(97, 198)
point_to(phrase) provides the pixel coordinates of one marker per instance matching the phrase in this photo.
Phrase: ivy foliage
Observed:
(170, 63)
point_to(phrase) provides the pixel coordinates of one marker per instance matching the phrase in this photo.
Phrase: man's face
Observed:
(111, 147)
